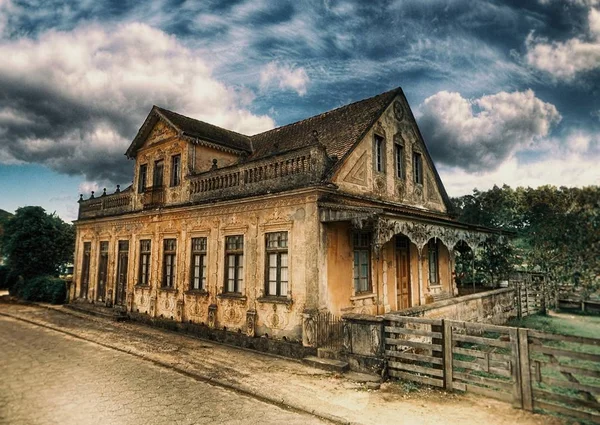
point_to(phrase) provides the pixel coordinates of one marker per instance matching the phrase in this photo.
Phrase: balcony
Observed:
(104, 205)
(299, 168)
(153, 197)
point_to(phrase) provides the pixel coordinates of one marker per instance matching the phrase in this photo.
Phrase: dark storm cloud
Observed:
(290, 58)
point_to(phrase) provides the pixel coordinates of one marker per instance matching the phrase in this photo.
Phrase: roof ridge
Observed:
(200, 121)
(328, 112)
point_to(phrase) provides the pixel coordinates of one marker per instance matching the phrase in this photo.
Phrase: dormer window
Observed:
(379, 154)
(175, 170)
(417, 168)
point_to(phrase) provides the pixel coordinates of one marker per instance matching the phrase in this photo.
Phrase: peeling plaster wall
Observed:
(278, 317)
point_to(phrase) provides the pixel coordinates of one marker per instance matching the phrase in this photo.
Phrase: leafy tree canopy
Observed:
(557, 229)
(36, 243)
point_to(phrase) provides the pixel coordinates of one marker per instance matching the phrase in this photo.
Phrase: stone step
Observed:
(98, 311)
(326, 364)
(328, 353)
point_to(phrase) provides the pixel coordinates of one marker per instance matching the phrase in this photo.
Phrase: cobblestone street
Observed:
(51, 378)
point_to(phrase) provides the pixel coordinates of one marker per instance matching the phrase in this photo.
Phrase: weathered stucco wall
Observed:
(278, 317)
(495, 307)
(358, 174)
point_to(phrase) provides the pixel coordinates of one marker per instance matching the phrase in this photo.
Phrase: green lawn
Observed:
(562, 323)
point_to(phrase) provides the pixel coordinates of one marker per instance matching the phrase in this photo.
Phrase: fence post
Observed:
(519, 308)
(447, 357)
(516, 367)
(524, 371)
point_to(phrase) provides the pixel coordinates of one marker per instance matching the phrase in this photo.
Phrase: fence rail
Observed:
(531, 369)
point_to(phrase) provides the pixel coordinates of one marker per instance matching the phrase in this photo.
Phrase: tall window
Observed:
(379, 154)
(432, 249)
(175, 170)
(142, 178)
(399, 156)
(234, 263)
(418, 168)
(144, 262)
(362, 281)
(198, 272)
(157, 178)
(170, 249)
(277, 263)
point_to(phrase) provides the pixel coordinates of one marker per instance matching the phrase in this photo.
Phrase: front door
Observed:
(403, 272)
(122, 263)
(102, 269)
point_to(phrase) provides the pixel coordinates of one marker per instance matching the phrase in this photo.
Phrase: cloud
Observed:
(566, 59)
(480, 134)
(74, 100)
(285, 77)
(571, 161)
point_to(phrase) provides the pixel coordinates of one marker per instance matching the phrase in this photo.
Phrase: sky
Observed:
(504, 91)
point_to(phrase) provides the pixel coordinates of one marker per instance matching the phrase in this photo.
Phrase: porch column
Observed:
(452, 259)
(420, 275)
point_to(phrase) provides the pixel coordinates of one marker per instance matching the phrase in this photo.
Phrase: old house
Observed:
(342, 212)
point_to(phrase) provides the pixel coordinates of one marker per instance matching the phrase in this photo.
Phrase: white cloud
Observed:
(566, 59)
(284, 76)
(481, 133)
(87, 91)
(572, 162)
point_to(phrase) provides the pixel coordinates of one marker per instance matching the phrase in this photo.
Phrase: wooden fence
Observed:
(530, 369)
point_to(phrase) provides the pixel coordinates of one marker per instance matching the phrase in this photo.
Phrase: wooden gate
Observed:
(328, 331)
(532, 370)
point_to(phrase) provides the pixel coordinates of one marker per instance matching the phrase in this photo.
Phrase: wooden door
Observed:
(122, 264)
(403, 273)
(102, 272)
(85, 270)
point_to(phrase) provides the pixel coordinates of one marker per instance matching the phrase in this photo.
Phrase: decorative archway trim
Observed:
(421, 233)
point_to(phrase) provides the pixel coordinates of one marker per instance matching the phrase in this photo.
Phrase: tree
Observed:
(36, 243)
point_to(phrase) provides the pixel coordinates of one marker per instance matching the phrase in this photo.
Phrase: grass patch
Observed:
(561, 323)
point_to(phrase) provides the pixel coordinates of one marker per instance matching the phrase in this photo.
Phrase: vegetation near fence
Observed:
(531, 369)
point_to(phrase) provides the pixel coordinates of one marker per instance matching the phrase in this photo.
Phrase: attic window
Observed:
(418, 168)
(379, 154)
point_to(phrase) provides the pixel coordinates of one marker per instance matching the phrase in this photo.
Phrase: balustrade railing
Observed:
(291, 165)
(105, 205)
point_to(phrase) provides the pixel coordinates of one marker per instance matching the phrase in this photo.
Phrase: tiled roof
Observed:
(202, 130)
(338, 130)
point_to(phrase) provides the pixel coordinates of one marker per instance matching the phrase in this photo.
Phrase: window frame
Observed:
(280, 251)
(145, 254)
(379, 142)
(199, 251)
(418, 168)
(155, 183)
(234, 249)
(169, 265)
(361, 249)
(142, 178)
(399, 159)
(175, 170)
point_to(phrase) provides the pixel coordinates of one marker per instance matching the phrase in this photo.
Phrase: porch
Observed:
(378, 262)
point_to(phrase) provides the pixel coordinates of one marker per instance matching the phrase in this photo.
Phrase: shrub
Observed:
(12, 281)
(42, 288)
(4, 270)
